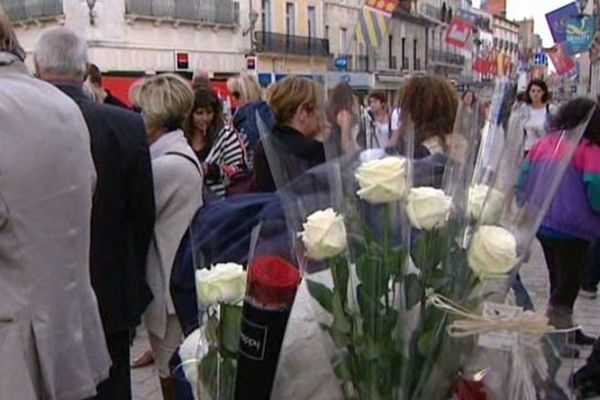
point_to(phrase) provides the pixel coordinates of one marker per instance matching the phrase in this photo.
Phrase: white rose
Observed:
(382, 181)
(223, 283)
(324, 235)
(428, 207)
(477, 200)
(493, 251)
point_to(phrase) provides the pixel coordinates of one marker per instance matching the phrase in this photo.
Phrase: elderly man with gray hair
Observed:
(51, 341)
(123, 207)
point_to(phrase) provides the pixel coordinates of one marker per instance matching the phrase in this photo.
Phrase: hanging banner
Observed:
(561, 60)
(580, 34)
(486, 62)
(459, 33)
(371, 28)
(558, 20)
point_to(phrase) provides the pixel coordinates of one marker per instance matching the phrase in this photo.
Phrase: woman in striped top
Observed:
(220, 149)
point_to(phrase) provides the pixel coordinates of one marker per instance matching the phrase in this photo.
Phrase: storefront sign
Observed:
(459, 33)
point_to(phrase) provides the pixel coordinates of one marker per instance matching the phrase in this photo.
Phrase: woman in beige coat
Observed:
(166, 100)
(51, 341)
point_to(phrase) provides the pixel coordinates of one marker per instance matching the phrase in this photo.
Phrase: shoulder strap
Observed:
(187, 157)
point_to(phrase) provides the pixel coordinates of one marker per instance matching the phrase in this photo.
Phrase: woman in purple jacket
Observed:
(572, 222)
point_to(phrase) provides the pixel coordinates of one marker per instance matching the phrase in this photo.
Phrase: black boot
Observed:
(581, 339)
(586, 381)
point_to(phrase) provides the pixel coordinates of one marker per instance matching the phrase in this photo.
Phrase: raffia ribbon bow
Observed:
(473, 324)
(527, 357)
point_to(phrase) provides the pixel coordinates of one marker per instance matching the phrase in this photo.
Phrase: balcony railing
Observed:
(269, 42)
(405, 63)
(216, 12)
(362, 64)
(445, 57)
(433, 12)
(24, 10)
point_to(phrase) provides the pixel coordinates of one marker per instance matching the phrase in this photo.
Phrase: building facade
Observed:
(443, 58)
(141, 36)
(289, 38)
(129, 39)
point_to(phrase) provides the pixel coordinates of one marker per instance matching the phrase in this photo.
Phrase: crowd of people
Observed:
(95, 197)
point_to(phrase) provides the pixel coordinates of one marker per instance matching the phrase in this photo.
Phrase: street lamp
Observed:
(253, 17)
(91, 4)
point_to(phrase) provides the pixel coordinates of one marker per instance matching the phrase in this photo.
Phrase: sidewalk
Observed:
(145, 383)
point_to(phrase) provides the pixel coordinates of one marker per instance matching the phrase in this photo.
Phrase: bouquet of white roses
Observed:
(209, 354)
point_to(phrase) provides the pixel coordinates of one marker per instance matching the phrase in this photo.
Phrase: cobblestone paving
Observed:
(145, 383)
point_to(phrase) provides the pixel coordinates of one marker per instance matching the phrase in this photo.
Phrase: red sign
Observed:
(251, 63)
(562, 62)
(183, 60)
(459, 33)
(384, 6)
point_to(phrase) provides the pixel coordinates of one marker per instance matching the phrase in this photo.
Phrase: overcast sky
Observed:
(519, 9)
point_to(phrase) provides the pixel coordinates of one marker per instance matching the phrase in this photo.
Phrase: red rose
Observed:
(272, 282)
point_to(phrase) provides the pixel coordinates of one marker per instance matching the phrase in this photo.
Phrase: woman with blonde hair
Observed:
(297, 107)
(166, 101)
(248, 94)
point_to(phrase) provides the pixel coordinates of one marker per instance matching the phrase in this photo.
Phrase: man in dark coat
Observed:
(123, 206)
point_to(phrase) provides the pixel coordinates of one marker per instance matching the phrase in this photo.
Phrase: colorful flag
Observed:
(384, 6)
(580, 34)
(371, 27)
(459, 33)
(561, 60)
(558, 20)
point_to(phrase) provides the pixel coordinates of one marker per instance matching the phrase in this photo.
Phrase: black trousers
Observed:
(566, 259)
(591, 276)
(118, 385)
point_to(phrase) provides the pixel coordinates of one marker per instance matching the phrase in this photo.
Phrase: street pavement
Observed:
(145, 384)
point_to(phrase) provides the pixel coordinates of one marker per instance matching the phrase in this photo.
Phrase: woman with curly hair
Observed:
(431, 102)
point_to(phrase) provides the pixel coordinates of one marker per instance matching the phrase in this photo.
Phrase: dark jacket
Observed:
(244, 121)
(122, 212)
(292, 152)
(114, 101)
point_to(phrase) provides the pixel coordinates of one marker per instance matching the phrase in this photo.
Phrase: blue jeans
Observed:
(521, 294)
(591, 275)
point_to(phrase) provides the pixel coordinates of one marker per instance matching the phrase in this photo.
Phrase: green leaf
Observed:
(425, 342)
(341, 321)
(413, 289)
(340, 339)
(372, 273)
(342, 369)
(429, 250)
(341, 276)
(397, 262)
(322, 294)
(229, 329)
